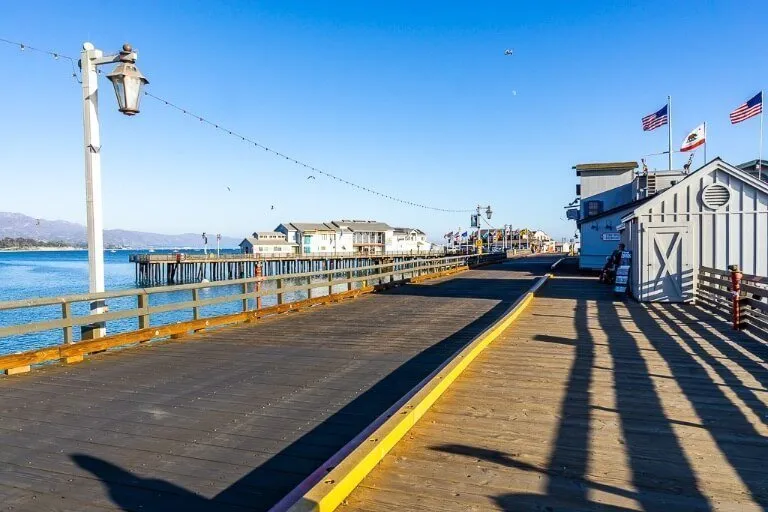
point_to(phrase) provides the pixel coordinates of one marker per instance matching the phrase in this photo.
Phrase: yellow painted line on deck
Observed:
(329, 493)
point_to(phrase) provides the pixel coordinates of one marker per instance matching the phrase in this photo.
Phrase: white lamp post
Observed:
(218, 245)
(488, 213)
(127, 81)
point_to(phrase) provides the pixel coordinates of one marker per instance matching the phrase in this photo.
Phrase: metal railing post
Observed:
(330, 286)
(66, 313)
(350, 283)
(736, 294)
(195, 309)
(245, 292)
(142, 302)
(279, 285)
(257, 286)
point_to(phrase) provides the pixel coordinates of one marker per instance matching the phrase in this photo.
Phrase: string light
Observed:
(243, 138)
(55, 55)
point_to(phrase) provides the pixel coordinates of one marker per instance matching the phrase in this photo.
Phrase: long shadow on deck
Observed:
(661, 474)
(266, 484)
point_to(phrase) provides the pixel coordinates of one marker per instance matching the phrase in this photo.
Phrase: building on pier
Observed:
(673, 222)
(715, 217)
(407, 240)
(271, 243)
(315, 237)
(353, 237)
(368, 236)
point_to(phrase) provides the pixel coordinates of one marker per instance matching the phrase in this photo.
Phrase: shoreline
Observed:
(41, 249)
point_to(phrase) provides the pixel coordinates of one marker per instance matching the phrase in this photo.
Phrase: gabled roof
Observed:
(362, 225)
(308, 226)
(746, 166)
(718, 164)
(255, 241)
(408, 230)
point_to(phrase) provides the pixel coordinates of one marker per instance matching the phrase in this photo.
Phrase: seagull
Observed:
(310, 177)
(229, 189)
(509, 52)
(273, 207)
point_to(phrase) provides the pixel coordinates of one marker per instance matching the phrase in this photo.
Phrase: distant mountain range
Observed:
(16, 225)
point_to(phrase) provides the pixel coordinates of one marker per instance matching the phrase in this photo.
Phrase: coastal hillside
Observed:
(17, 225)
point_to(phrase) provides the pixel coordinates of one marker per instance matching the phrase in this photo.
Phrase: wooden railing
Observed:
(317, 287)
(739, 297)
(185, 257)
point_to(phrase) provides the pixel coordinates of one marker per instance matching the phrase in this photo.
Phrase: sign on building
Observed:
(611, 237)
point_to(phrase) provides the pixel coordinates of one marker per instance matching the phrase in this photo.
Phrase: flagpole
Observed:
(669, 128)
(760, 156)
(705, 143)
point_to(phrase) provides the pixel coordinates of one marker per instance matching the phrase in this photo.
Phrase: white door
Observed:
(668, 269)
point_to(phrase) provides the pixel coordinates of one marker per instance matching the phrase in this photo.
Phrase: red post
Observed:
(736, 295)
(258, 284)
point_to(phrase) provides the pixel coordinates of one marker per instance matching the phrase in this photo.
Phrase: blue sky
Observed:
(415, 99)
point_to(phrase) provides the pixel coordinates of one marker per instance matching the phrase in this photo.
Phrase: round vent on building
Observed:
(715, 195)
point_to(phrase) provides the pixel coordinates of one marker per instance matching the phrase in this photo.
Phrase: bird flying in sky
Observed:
(310, 177)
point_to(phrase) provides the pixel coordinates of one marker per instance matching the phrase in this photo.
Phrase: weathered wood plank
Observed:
(236, 416)
(590, 403)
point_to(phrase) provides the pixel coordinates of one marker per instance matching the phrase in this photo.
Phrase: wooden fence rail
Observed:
(186, 257)
(740, 297)
(318, 287)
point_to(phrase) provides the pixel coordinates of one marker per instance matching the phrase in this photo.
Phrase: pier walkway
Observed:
(233, 419)
(588, 403)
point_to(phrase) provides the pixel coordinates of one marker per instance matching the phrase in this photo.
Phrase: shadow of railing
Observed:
(661, 475)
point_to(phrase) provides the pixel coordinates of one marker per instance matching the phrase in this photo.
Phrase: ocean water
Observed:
(35, 274)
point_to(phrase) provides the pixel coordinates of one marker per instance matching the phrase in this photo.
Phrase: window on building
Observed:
(578, 189)
(307, 239)
(594, 208)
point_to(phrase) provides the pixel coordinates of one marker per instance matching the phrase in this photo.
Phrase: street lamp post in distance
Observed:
(488, 213)
(127, 82)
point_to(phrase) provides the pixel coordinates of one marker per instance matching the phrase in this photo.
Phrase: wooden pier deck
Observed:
(587, 403)
(233, 419)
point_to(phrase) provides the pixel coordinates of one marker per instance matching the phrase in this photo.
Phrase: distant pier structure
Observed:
(179, 268)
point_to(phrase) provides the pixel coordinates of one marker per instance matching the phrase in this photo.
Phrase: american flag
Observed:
(751, 108)
(653, 121)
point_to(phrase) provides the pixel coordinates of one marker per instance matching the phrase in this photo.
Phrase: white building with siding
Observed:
(715, 217)
(317, 238)
(408, 240)
(268, 243)
(349, 237)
